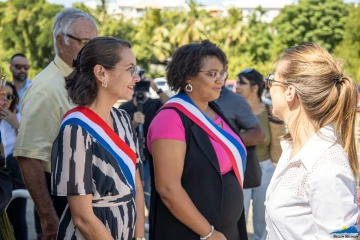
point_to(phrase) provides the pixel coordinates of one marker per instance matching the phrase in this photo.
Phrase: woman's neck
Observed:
(102, 106)
(256, 105)
(301, 130)
(202, 105)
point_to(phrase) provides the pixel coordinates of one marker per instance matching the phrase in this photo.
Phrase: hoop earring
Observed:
(104, 84)
(189, 87)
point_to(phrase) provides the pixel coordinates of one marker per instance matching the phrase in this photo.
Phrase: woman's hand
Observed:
(10, 117)
(217, 236)
(85, 220)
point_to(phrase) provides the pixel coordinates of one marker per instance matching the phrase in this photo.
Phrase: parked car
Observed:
(231, 85)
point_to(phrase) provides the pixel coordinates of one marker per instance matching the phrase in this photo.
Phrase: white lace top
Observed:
(313, 195)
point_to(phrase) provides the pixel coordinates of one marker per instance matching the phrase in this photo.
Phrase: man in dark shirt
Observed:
(150, 108)
(238, 112)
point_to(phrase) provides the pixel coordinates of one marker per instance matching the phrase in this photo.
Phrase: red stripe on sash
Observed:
(210, 133)
(111, 133)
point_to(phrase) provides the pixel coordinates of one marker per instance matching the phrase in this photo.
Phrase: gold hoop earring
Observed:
(104, 84)
(189, 87)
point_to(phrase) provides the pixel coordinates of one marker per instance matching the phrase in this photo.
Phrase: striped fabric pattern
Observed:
(235, 149)
(82, 165)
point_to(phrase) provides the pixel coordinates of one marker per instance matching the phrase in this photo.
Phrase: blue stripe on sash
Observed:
(233, 140)
(125, 169)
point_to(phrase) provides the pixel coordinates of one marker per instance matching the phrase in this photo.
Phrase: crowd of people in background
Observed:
(204, 155)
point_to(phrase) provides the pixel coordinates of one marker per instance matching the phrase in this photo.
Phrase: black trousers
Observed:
(17, 215)
(17, 209)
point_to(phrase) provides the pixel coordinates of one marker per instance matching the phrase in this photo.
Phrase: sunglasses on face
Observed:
(19, 67)
(216, 75)
(10, 96)
(82, 41)
(270, 80)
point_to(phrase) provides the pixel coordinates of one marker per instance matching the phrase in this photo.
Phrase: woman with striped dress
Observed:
(95, 156)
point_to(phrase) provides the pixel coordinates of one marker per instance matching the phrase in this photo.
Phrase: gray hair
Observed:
(63, 23)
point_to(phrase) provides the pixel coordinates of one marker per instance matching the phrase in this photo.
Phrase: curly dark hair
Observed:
(16, 100)
(81, 83)
(187, 61)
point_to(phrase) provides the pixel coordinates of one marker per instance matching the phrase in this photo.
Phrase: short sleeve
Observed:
(39, 126)
(167, 124)
(333, 200)
(244, 117)
(71, 162)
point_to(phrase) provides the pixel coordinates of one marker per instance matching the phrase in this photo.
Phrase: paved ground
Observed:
(32, 232)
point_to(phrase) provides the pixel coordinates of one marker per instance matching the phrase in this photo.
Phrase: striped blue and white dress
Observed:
(81, 165)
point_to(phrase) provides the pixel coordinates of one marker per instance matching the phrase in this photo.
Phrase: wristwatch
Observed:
(159, 91)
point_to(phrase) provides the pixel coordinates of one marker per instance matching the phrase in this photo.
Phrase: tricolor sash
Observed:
(100, 130)
(235, 149)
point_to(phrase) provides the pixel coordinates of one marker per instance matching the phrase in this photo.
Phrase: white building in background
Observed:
(272, 8)
(136, 8)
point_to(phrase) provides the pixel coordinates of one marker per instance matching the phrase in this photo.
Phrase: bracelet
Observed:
(209, 235)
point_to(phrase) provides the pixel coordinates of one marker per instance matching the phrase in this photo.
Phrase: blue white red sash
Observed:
(100, 130)
(235, 149)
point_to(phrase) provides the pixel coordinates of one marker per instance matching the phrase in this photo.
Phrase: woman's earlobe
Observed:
(291, 94)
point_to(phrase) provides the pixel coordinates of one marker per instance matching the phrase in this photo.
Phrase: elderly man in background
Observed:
(44, 105)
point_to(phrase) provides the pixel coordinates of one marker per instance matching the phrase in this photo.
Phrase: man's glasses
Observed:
(82, 41)
(216, 75)
(10, 96)
(271, 79)
(19, 67)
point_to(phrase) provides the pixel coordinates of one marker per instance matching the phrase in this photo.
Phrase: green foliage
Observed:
(25, 26)
(349, 48)
(320, 21)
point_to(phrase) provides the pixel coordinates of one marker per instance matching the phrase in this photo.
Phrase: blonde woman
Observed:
(312, 194)
(250, 85)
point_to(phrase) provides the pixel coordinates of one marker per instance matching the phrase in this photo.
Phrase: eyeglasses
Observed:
(133, 70)
(247, 70)
(82, 41)
(19, 67)
(216, 75)
(271, 79)
(10, 96)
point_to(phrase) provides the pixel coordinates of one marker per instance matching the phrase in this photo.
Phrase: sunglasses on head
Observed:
(247, 70)
(19, 67)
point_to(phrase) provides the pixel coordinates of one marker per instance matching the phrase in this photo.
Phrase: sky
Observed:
(68, 3)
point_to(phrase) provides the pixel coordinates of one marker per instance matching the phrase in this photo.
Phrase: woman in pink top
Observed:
(198, 159)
